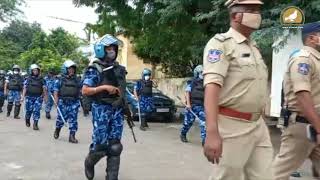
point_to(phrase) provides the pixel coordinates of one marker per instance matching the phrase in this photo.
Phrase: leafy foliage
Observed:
(174, 33)
(24, 43)
(9, 8)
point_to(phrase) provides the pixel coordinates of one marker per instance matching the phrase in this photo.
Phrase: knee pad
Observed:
(115, 148)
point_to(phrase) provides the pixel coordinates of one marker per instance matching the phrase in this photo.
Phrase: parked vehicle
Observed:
(164, 107)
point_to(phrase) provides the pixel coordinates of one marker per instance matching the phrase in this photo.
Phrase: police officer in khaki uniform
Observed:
(235, 80)
(302, 99)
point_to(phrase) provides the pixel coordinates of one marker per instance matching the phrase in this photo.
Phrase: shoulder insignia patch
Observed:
(303, 68)
(214, 55)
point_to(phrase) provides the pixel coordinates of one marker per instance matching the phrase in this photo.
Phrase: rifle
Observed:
(121, 102)
(129, 119)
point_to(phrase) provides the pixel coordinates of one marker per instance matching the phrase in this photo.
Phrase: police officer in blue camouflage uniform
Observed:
(49, 79)
(195, 99)
(143, 93)
(105, 83)
(2, 83)
(33, 92)
(13, 88)
(67, 95)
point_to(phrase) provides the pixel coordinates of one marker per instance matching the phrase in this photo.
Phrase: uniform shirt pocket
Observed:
(247, 67)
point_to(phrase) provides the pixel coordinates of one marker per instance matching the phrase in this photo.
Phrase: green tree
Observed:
(8, 53)
(50, 51)
(174, 33)
(9, 8)
(14, 40)
(45, 58)
(25, 44)
(63, 42)
(21, 33)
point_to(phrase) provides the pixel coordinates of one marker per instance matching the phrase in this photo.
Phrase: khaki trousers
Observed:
(247, 156)
(295, 149)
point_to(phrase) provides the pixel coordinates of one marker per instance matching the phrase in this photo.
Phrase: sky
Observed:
(40, 10)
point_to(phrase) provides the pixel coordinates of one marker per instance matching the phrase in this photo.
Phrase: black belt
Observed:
(302, 119)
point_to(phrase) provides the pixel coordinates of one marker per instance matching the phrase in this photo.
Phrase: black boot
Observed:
(17, 111)
(142, 124)
(113, 166)
(183, 138)
(9, 109)
(35, 126)
(28, 122)
(57, 133)
(72, 138)
(91, 160)
(315, 172)
(1, 104)
(203, 143)
(146, 120)
(48, 116)
(85, 113)
(146, 123)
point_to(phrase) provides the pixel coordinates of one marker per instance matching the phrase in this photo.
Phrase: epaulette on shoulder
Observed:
(300, 53)
(221, 37)
(297, 53)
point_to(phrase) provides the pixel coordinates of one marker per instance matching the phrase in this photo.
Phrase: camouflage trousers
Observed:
(2, 99)
(14, 97)
(50, 103)
(146, 106)
(69, 110)
(33, 107)
(107, 124)
(189, 119)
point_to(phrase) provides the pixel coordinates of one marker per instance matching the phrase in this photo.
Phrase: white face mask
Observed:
(111, 55)
(251, 20)
(146, 78)
(200, 76)
(15, 72)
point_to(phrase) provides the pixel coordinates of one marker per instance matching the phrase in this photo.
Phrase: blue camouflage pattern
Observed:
(68, 108)
(145, 102)
(189, 86)
(14, 97)
(189, 119)
(2, 94)
(49, 81)
(107, 122)
(33, 107)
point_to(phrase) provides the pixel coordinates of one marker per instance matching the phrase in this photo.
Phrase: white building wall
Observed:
(279, 66)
